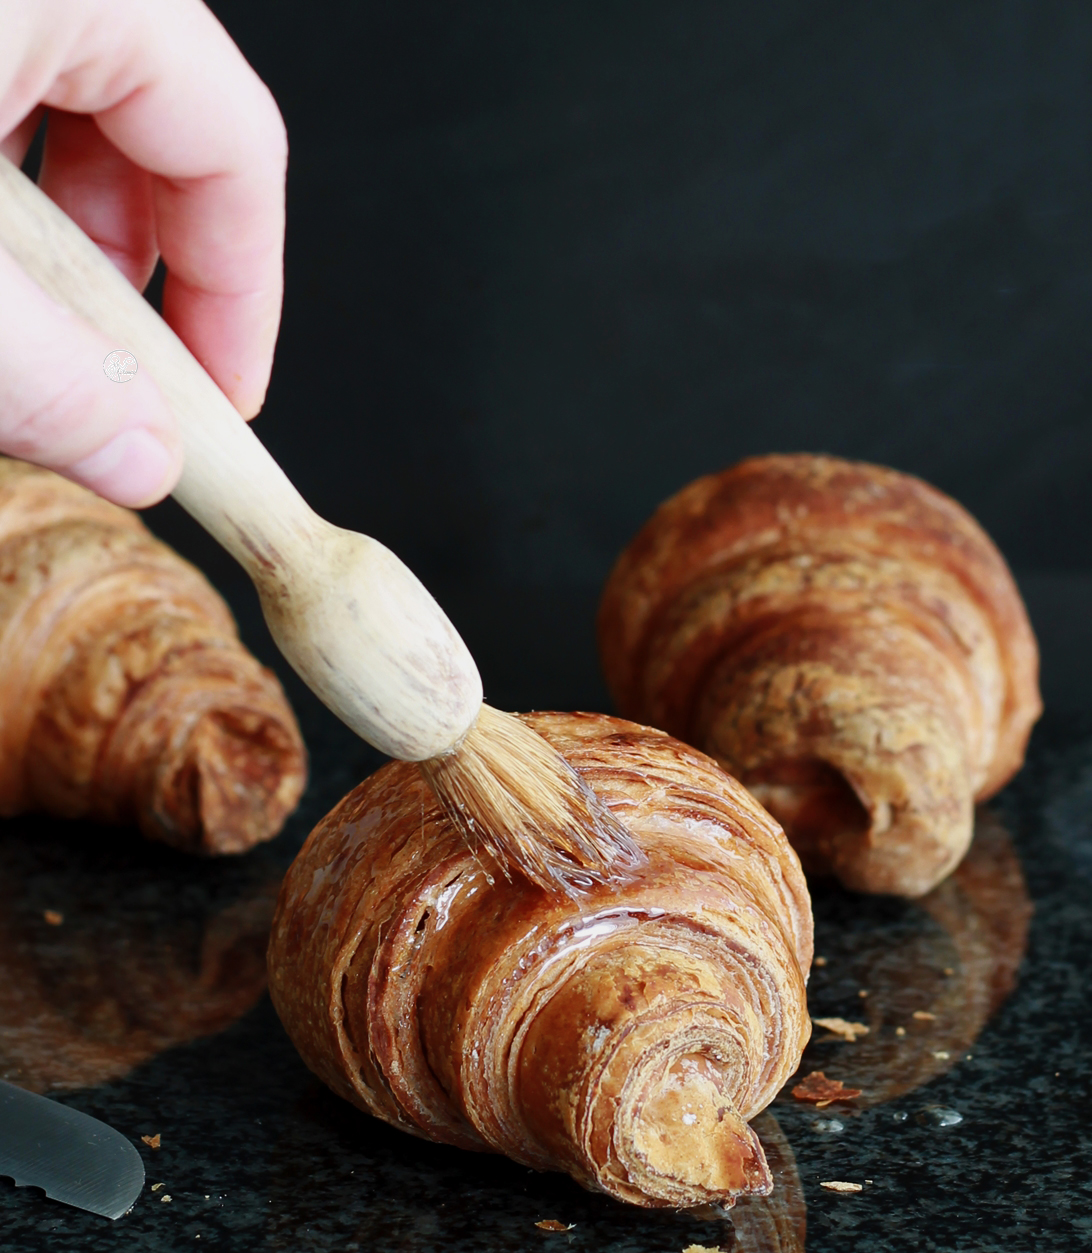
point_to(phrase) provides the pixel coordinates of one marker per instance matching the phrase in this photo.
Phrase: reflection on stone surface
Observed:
(776, 1223)
(111, 951)
(154, 949)
(368, 1186)
(934, 970)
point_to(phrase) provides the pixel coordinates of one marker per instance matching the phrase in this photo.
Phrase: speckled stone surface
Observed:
(145, 1007)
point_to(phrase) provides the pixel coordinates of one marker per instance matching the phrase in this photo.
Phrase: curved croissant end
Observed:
(626, 1038)
(845, 639)
(126, 694)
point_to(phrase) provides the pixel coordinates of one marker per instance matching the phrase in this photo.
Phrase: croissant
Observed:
(125, 693)
(626, 1037)
(843, 638)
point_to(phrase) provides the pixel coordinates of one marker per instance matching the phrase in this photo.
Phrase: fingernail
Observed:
(135, 468)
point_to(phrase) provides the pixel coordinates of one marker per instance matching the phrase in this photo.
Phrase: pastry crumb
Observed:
(151, 1141)
(551, 1224)
(53, 916)
(165, 1197)
(863, 993)
(941, 1055)
(900, 1030)
(923, 1015)
(847, 1030)
(840, 1185)
(157, 1186)
(816, 961)
(822, 1091)
(703, 1248)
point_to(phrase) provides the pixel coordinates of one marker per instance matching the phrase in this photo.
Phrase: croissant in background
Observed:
(626, 1037)
(847, 641)
(125, 694)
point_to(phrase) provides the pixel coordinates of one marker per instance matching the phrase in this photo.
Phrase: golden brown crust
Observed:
(797, 614)
(626, 1037)
(126, 695)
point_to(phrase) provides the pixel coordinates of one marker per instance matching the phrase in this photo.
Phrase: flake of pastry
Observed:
(840, 1027)
(821, 1091)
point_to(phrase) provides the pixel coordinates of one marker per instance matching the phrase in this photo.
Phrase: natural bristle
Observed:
(518, 801)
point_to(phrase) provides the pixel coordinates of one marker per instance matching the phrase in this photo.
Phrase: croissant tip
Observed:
(707, 1153)
(231, 787)
(522, 806)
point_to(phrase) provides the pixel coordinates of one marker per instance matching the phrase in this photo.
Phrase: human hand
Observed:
(160, 139)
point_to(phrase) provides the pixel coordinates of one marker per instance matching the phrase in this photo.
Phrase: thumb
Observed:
(60, 409)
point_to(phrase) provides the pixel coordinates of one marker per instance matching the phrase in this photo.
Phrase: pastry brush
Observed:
(350, 617)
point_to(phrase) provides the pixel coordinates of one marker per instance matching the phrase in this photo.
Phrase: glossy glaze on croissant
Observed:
(625, 1037)
(847, 641)
(125, 693)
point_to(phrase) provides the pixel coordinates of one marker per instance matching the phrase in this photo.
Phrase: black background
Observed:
(545, 264)
(548, 262)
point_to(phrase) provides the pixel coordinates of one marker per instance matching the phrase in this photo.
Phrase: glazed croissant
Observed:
(847, 641)
(626, 1037)
(125, 694)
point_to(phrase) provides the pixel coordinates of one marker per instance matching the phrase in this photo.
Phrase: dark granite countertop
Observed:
(146, 1007)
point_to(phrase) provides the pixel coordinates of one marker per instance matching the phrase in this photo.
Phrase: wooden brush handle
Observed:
(354, 621)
